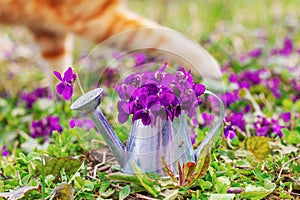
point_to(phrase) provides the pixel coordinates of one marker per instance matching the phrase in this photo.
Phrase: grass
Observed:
(245, 167)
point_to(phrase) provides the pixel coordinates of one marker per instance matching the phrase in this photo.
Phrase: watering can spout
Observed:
(88, 104)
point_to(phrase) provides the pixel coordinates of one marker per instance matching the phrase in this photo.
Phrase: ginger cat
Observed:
(52, 21)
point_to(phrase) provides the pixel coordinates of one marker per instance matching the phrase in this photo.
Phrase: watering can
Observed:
(146, 145)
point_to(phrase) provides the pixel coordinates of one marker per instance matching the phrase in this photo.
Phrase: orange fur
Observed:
(51, 22)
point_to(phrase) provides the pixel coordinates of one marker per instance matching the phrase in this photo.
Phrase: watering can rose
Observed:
(149, 95)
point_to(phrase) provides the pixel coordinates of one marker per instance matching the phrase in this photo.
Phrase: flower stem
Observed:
(79, 83)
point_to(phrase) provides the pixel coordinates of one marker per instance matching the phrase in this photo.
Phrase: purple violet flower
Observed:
(31, 97)
(207, 119)
(236, 119)
(229, 132)
(262, 126)
(246, 78)
(4, 151)
(286, 116)
(266, 128)
(255, 53)
(139, 59)
(149, 95)
(230, 97)
(234, 190)
(273, 85)
(65, 87)
(286, 50)
(44, 127)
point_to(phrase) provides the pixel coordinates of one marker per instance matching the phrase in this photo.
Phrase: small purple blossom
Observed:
(255, 53)
(31, 97)
(273, 85)
(229, 132)
(266, 127)
(286, 50)
(234, 190)
(207, 119)
(65, 87)
(4, 151)
(286, 116)
(149, 95)
(140, 59)
(86, 123)
(246, 79)
(44, 127)
(236, 119)
(230, 97)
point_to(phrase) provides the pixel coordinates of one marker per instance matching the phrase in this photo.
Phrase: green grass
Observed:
(264, 168)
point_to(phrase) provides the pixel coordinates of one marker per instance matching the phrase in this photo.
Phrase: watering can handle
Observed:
(213, 132)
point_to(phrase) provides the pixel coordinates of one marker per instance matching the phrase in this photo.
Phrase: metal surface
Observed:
(147, 144)
(88, 104)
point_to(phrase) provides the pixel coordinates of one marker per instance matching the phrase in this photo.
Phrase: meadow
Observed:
(49, 152)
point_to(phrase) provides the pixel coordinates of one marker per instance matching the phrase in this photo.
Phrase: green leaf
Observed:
(55, 166)
(256, 192)
(125, 191)
(10, 171)
(88, 186)
(118, 176)
(168, 170)
(78, 182)
(201, 167)
(170, 194)
(107, 193)
(294, 137)
(259, 146)
(222, 184)
(64, 191)
(145, 181)
(204, 185)
(222, 197)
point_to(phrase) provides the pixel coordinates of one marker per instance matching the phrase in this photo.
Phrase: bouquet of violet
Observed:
(151, 95)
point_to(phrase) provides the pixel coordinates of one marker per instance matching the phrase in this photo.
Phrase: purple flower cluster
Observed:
(255, 53)
(44, 127)
(286, 50)
(266, 127)
(4, 151)
(65, 87)
(87, 123)
(207, 119)
(149, 95)
(234, 121)
(31, 97)
(246, 78)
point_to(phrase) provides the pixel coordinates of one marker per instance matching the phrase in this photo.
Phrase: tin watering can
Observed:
(147, 144)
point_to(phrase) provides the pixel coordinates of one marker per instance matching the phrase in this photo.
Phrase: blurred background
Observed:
(226, 28)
